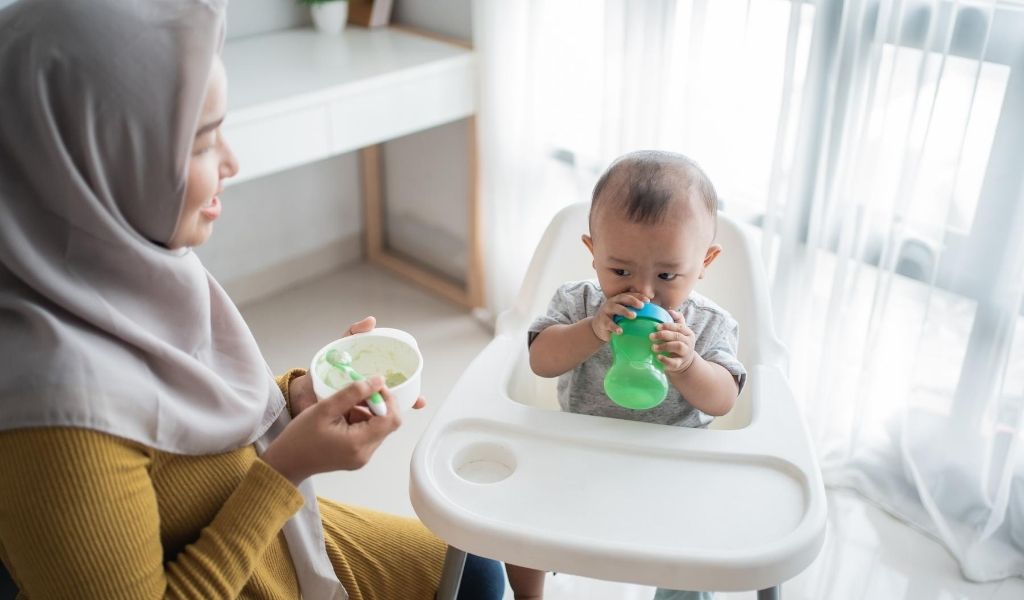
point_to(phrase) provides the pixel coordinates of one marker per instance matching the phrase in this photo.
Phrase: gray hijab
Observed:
(102, 326)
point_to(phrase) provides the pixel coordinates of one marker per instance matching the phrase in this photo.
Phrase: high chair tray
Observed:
(620, 500)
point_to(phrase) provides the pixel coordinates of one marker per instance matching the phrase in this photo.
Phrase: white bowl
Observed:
(384, 352)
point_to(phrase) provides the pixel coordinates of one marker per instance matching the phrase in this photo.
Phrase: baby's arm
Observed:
(560, 348)
(708, 386)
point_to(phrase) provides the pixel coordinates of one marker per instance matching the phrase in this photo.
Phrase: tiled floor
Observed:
(867, 555)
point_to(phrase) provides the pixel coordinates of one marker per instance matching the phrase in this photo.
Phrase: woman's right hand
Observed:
(337, 433)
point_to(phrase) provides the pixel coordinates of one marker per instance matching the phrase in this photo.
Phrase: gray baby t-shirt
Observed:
(581, 390)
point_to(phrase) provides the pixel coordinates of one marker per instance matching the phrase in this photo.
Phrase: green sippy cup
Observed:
(637, 378)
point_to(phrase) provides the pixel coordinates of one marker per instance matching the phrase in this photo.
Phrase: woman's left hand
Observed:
(300, 390)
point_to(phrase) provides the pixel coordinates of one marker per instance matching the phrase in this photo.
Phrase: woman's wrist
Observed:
(298, 391)
(279, 464)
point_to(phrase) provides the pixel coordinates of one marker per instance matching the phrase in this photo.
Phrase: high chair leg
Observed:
(451, 575)
(772, 593)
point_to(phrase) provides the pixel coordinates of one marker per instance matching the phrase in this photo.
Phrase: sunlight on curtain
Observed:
(898, 268)
(878, 144)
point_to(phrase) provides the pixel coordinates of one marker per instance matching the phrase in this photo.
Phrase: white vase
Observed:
(330, 17)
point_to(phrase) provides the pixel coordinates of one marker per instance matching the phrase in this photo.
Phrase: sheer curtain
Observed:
(878, 144)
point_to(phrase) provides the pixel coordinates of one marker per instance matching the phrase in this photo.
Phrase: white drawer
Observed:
(403, 103)
(269, 144)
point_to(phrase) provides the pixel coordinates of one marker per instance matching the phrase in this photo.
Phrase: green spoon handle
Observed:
(334, 360)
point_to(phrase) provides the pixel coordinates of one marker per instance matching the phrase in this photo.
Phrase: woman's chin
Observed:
(203, 235)
(197, 237)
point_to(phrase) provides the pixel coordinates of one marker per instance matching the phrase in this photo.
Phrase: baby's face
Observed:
(660, 261)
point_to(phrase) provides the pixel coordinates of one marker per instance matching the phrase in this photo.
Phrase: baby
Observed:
(652, 230)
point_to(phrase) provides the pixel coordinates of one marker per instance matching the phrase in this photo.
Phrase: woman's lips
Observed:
(211, 211)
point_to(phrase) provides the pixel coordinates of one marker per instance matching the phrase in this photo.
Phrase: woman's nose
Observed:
(229, 166)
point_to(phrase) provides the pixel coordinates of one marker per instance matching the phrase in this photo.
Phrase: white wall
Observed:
(427, 186)
(249, 17)
(283, 228)
(279, 229)
(427, 177)
(450, 17)
(293, 225)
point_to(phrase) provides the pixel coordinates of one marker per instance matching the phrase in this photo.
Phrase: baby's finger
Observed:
(630, 299)
(677, 326)
(618, 309)
(420, 403)
(672, 348)
(676, 316)
(671, 363)
(608, 325)
(670, 330)
(679, 364)
(667, 336)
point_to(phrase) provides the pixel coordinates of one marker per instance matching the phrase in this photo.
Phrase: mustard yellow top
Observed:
(85, 515)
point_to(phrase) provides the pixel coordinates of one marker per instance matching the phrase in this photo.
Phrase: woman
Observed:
(145, 449)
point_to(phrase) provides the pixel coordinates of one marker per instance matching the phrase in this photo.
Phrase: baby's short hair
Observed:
(647, 182)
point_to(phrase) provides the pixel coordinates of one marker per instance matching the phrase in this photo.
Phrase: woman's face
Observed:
(211, 162)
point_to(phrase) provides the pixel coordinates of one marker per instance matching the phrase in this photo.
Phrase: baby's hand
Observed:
(677, 341)
(603, 322)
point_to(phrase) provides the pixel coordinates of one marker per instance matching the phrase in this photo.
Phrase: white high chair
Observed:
(500, 474)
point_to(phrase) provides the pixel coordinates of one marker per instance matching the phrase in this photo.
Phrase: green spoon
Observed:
(343, 362)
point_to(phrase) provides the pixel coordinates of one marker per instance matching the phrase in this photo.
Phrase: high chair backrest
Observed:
(735, 281)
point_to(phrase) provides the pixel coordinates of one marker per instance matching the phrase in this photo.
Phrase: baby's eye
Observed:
(200, 150)
(620, 272)
(667, 276)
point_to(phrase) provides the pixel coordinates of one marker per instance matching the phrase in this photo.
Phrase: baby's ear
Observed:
(713, 251)
(589, 243)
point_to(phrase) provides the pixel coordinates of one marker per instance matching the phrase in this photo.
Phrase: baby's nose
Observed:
(645, 291)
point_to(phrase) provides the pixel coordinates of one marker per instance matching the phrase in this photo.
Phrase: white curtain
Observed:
(879, 144)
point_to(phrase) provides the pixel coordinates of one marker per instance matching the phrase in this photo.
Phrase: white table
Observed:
(298, 96)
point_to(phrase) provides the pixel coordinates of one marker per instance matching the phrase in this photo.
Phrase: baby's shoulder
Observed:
(583, 296)
(582, 286)
(585, 289)
(701, 311)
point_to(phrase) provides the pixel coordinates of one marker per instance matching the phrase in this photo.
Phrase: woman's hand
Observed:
(603, 322)
(337, 433)
(677, 341)
(300, 389)
(361, 326)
